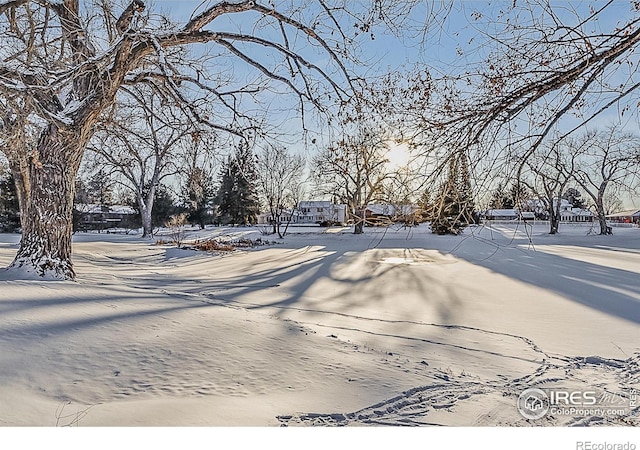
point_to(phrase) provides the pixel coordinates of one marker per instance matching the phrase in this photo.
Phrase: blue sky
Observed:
(450, 45)
(443, 40)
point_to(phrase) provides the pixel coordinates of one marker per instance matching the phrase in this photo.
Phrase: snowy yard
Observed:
(396, 326)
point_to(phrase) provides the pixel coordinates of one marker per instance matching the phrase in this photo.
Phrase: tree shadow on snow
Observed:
(607, 289)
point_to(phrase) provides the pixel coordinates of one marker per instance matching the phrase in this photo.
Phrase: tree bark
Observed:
(359, 225)
(147, 223)
(602, 218)
(46, 187)
(555, 215)
(145, 203)
(69, 87)
(602, 215)
(554, 222)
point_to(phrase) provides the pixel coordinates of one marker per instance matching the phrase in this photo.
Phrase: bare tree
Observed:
(143, 143)
(353, 171)
(551, 172)
(198, 188)
(606, 160)
(279, 179)
(540, 67)
(400, 193)
(551, 62)
(64, 66)
(612, 202)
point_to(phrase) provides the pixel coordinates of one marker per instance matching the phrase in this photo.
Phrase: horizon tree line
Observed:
(71, 75)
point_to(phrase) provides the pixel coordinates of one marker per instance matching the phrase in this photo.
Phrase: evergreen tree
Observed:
(518, 196)
(237, 196)
(453, 207)
(80, 200)
(464, 192)
(574, 197)
(425, 205)
(81, 195)
(446, 218)
(99, 189)
(501, 199)
(9, 207)
(198, 195)
(163, 206)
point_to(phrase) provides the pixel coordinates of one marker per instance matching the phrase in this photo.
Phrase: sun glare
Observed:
(398, 154)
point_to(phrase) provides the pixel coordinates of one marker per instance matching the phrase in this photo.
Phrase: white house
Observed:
(508, 214)
(319, 212)
(570, 214)
(567, 212)
(576, 215)
(284, 217)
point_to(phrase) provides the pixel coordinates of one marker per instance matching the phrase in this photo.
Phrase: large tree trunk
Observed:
(554, 214)
(554, 223)
(275, 220)
(360, 219)
(602, 215)
(147, 223)
(46, 187)
(146, 208)
(602, 219)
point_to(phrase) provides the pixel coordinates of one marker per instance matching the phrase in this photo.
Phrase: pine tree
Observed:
(446, 208)
(100, 189)
(574, 196)
(465, 192)
(9, 207)
(237, 196)
(518, 195)
(198, 195)
(163, 206)
(501, 199)
(425, 205)
(453, 207)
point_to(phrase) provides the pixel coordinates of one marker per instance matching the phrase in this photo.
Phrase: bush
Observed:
(176, 224)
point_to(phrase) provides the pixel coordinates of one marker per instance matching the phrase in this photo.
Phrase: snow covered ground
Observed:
(396, 326)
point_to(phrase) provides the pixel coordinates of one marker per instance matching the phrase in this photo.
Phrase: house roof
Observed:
(578, 212)
(501, 212)
(389, 210)
(314, 203)
(93, 208)
(380, 209)
(627, 213)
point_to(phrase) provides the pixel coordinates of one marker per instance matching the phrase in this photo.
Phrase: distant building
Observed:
(101, 217)
(284, 217)
(527, 215)
(320, 212)
(501, 214)
(576, 215)
(567, 212)
(628, 216)
(380, 213)
(570, 214)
